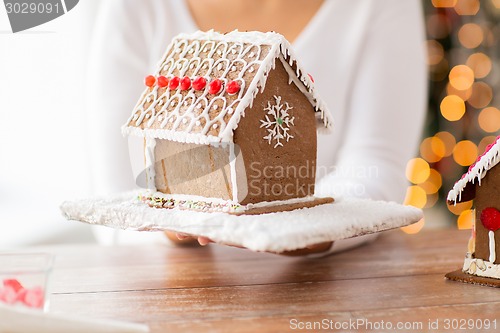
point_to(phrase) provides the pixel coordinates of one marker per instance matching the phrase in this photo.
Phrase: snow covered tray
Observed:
(274, 232)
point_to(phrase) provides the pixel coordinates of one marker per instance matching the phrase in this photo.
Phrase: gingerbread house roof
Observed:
(476, 172)
(206, 81)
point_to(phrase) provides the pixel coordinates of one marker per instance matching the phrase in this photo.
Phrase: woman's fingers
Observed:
(181, 239)
(204, 241)
(185, 239)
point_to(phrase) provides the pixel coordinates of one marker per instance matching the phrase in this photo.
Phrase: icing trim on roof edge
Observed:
(177, 136)
(280, 49)
(255, 37)
(477, 171)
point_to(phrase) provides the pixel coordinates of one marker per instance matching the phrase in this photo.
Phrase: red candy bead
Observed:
(174, 82)
(185, 83)
(215, 86)
(150, 80)
(199, 83)
(310, 76)
(162, 81)
(21, 295)
(14, 292)
(13, 283)
(233, 87)
(490, 217)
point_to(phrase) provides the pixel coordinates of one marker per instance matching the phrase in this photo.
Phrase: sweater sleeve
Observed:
(386, 107)
(119, 61)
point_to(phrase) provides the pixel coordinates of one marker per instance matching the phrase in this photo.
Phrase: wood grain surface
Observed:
(397, 278)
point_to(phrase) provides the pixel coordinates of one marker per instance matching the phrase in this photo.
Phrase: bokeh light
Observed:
(433, 182)
(466, 219)
(463, 94)
(467, 7)
(414, 228)
(415, 196)
(481, 95)
(452, 108)
(449, 142)
(432, 149)
(489, 37)
(417, 170)
(465, 153)
(444, 3)
(432, 199)
(464, 114)
(438, 147)
(435, 52)
(481, 147)
(470, 35)
(480, 64)
(461, 77)
(458, 208)
(489, 119)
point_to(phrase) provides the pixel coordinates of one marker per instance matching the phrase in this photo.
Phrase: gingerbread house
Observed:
(481, 183)
(229, 122)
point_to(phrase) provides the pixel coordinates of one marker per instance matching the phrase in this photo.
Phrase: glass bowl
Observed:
(24, 279)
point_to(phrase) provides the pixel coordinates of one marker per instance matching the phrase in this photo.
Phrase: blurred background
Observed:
(42, 118)
(463, 115)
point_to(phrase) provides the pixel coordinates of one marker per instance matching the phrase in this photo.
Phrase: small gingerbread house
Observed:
(228, 121)
(482, 184)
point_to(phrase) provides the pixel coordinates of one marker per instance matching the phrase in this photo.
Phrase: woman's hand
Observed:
(186, 240)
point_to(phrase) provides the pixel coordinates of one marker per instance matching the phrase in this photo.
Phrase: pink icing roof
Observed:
(477, 171)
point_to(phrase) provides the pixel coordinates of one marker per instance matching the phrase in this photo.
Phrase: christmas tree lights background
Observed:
(464, 106)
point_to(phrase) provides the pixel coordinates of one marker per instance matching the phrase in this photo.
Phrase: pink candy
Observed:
(13, 283)
(34, 297)
(13, 292)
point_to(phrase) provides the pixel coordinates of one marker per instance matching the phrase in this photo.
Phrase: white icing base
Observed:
(481, 267)
(275, 232)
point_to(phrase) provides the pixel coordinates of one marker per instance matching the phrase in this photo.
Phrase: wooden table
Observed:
(398, 278)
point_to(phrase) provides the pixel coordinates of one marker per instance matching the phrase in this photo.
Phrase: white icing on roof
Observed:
(477, 171)
(200, 117)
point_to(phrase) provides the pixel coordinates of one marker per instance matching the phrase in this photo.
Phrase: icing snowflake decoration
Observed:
(278, 122)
